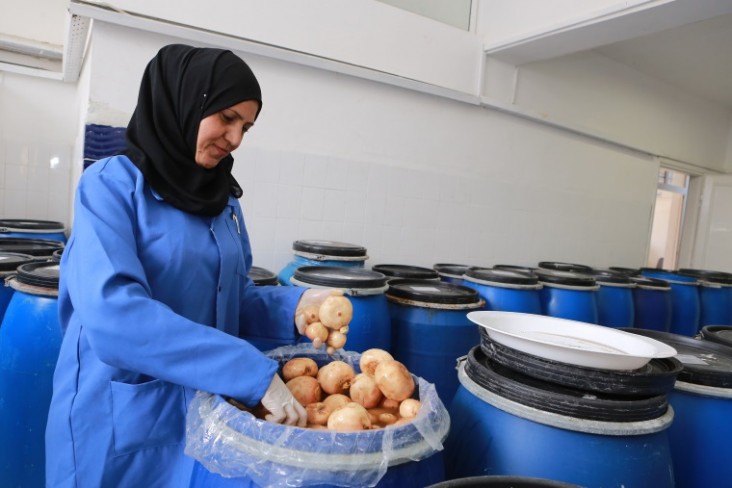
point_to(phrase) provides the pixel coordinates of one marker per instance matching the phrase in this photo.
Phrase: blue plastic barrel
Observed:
(568, 295)
(652, 302)
(568, 267)
(322, 253)
(406, 271)
(614, 299)
(30, 339)
(701, 433)
(430, 329)
(40, 249)
(685, 300)
(451, 273)
(506, 290)
(263, 276)
(371, 324)
(715, 296)
(514, 267)
(503, 423)
(9, 262)
(32, 229)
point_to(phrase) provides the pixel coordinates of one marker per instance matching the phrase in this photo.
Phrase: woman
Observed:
(154, 293)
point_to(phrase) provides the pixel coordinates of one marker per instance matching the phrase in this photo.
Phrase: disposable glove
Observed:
(282, 405)
(309, 303)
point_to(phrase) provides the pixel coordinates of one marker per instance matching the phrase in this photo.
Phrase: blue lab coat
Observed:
(153, 301)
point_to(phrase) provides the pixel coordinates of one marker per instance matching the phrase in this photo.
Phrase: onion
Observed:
(387, 418)
(336, 339)
(409, 408)
(335, 312)
(336, 401)
(351, 417)
(390, 404)
(382, 416)
(299, 367)
(311, 313)
(364, 391)
(317, 333)
(394, 380)
(335, 377)
(371, 358)
(305, 389)
(318, 413)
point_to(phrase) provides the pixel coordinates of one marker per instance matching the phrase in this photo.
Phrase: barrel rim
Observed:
(329, 248)
(406, 271)
(416, 291)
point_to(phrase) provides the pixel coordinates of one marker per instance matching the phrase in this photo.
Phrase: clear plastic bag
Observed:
(235, 444)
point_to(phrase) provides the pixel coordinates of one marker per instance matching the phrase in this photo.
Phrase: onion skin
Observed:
(390, 404)
(311, 313)
(305, 389)
(336, 401)
(409, 408)
(335, 312)
(364, 391)
(371, 358)
(318, 413)
(335, 377)
(299, 367)
(316, 331)
(351, 417)
(394, 380)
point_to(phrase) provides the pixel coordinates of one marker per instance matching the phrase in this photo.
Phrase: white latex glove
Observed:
(282, 405)
(311, 298)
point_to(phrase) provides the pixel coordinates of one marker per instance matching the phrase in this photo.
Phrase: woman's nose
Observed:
(234, 137)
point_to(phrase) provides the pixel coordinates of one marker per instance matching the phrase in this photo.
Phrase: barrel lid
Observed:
(560, 399)
(608, 276)
(721, 334)
(34, 247)
(329, 248)
(262, 276)
(515, 267)
(650, 283)
(627, 271)
(9, 225)
(433, 292)
(340, 277)
(56, 255)
(558, 266)
(567, 278)
(503, 276)
(657, 377)
(450, 269)
(719, 277)
(406, 271)
(705, 362)
(42, 274)
(9, 261)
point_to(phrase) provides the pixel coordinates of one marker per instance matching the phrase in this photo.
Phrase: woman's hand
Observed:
(282, 405)
(308, 307)
(324, 324)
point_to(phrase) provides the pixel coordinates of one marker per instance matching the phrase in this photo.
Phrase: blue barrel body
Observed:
(32, 229)
(50, 236)
(568, 295)
(9, 262)
(30, 339)
(451, 273)
(486, 440)
(506, 290)
(652, 301)
(716, 304)
(615, 305)
(685, 301)
(6, 294)
(429, 335)
(322, 253)
(701, 436)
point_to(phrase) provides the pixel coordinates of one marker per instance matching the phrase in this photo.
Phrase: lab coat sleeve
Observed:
(125, 326)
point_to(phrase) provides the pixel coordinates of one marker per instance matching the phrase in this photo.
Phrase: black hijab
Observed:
(181, 86)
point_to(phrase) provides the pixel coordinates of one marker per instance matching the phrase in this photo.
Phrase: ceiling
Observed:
(696, 57)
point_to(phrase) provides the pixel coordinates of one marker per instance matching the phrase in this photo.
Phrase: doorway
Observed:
(668, 217)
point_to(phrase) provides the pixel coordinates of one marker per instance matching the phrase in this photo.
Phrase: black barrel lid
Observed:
(340, 277)
(608, 276)
(657, 377)
(567, 278)
(503, 276)
(721, 334)
(572, 267)
(515, 267)
(329, 248)
(406, 271)
(9, 225)
(627, 271)
(559, 399)
(650, 283)
(56, 255)
(262, 276)
(43, 274)
(502, 481)
(433, 292)
(450, 269)
(705, 363)
(9, 261)
(34, 247)
(719, 277)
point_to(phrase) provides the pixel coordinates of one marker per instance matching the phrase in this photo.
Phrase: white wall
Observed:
(417, 179)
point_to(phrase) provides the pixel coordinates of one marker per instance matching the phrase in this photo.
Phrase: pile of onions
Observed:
(328, 323)
(337, 398)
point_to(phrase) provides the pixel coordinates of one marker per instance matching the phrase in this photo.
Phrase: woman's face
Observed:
(220, 133)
